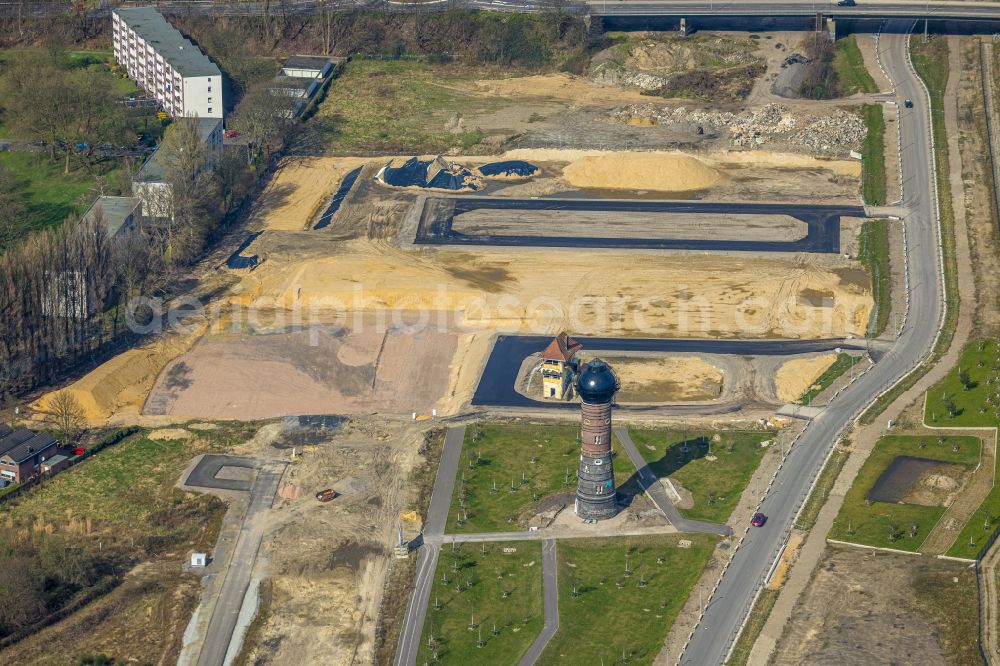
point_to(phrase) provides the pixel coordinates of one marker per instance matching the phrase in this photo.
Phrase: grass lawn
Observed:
(975, 402)
(843, 363)
(850, 67)
(873, 156)
(867, 524)
(611, 612)
(875, 257)
(715, 485)
(125, 490)
(401, 106)
(502, 453)
(518, 616)
(51, 195)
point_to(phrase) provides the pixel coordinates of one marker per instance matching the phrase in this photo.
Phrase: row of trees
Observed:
(48, 96)
(64, 292)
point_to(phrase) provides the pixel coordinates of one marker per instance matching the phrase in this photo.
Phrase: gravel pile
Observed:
(838, 132)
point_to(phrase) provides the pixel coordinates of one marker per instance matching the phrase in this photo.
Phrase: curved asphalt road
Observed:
(752, 561)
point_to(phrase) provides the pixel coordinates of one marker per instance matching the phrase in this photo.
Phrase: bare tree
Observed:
(66, 415)
(12, 207)
(265, 118)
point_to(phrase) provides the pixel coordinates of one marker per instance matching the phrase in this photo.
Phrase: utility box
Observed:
(199, 559)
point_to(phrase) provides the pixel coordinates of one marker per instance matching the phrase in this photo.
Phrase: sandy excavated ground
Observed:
(860, 608)
(316, 371)
(671, 379)
(327, 562)
(297, 190)
(548, 291)
(121, 384)
(796, 376)
(568, 87)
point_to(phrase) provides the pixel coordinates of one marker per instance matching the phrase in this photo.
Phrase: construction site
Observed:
(711, 248)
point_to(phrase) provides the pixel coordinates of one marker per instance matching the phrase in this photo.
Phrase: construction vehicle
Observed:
(326, 495)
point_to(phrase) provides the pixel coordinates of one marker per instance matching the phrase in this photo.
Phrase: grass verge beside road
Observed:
(614, 614)
(821, 492)
(527, 463)
(849, 64)
(930, 59)
(715, 485)
(873, 156)
(888, 525)
(496, 588)
(755, 624)
(875, 257)
(843, 363)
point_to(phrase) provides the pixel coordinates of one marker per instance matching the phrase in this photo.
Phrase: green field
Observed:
(874, 254)
(52, 195)
(873, 181)
(501, 454)
(871, 524)
(843, 363)
(613, 613)
(974, 403)
(498, 588)
(401, 106)
(849, 64)
(715, 485)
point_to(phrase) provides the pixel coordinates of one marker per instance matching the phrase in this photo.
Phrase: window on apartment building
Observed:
(209, 100)
(210, 89)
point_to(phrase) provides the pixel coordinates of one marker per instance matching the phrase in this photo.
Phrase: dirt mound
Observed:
(796, 376)
(123, 381)
(663, 172)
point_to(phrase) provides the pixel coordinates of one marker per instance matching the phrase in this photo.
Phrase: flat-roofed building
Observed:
(166, 64)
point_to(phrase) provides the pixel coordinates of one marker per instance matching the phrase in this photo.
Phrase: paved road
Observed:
(878, 9)
(550, 594)
(496, 386)
(823, 222)
(751, 562)
(427, 556)
(658, 494)
(234, 587)
(204, 473)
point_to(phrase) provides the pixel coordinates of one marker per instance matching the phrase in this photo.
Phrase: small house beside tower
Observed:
(559, 366)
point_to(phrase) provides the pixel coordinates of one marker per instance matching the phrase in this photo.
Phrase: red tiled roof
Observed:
(562, 348)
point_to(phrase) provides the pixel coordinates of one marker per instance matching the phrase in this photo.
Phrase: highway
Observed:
(752, 561)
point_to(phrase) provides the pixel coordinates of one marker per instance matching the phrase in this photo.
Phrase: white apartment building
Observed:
(169, 67)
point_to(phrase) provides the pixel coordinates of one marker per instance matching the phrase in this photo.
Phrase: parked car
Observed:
(326, 495)
(758, 519)
(908, 103)
(846, 3)
(230, 134)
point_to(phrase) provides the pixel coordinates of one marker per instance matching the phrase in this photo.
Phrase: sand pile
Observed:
(796, 376)
(124, 380)
(663, 172)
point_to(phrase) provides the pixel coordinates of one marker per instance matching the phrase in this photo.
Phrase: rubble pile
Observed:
(838, 131)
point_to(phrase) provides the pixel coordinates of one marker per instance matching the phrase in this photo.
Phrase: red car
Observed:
(326, 495)
(758, 520)
(230, 134)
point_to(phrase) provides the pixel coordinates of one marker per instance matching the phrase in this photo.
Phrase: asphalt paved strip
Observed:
(225, 615)
(496, 386)
(427, 557)
(338, 198)
(436, 224)
(651, 485)
(204, 473)
(550, 595)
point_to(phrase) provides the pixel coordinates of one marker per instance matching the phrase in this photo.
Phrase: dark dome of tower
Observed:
(597, 383)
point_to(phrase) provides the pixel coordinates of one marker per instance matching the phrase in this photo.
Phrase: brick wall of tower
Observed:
(595, 489)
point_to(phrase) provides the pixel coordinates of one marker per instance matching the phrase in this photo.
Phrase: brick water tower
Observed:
(595, 490)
